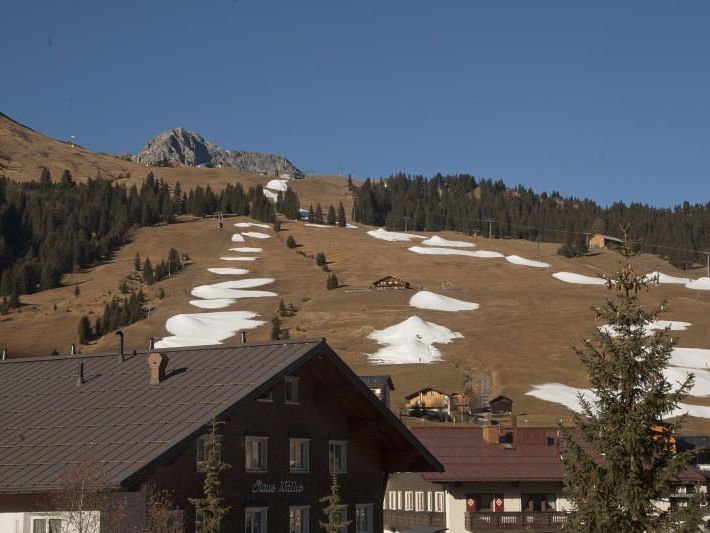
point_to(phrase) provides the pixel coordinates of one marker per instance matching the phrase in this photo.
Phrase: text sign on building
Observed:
(280, 487)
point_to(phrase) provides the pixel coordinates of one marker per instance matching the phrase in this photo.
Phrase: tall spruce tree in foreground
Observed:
(620, 460)
(212, 505)
(333, 511)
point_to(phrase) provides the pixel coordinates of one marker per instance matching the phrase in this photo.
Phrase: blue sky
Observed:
(608, 100)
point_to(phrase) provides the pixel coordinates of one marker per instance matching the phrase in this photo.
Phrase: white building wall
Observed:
(22, 522)
(512, 492)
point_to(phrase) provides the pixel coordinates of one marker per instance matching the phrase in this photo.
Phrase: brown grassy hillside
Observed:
(520, 336)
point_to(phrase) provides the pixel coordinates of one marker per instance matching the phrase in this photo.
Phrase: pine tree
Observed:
(320, 259)
(330, 217)
(148, 274)
(626, 423)
(333, 511)
(318, 216)
(84, 330)
(277, 226)
(291, 242)
(212, 504)
(332, 282)
(77, 290)
(341, 216)
(275, 328)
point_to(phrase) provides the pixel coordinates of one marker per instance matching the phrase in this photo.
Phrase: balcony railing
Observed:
(406, 519)
(517, 521)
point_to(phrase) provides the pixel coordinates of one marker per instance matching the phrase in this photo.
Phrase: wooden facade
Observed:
(428, 399)
(501, 405)
(604, 241)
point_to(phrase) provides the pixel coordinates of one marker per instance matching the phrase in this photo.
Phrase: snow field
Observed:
(217, 303)
(665, 278)
(440, 241)
(484, 254)
(230, 258)
(411, 341)
(393, 236)
(256, 235)
(234, 289)
(278, 185)
(700, 284)
(271, 195)
(350, 226)
(237, 237)
(517, 260)
(206, 328)
(228, 271)
(673, 325)
(437, 302)
(569, 277)
(251, 224)
(246, 250)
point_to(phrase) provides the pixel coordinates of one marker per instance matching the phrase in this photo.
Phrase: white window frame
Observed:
(257, 440)
(430, 501)
(305, 525)
(342, 469)
(392, 497)
(264, 511)
(419, 502)
(306, 457)
(439, 502)
(46, 520)
(369, 509)
(267, 396)
(408, 500)
(399, 500)
(344, 518)
(293, 380)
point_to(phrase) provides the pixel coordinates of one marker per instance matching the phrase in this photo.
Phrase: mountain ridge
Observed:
(182, 147)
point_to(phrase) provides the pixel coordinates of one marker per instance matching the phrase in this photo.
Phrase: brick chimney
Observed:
(157, 362)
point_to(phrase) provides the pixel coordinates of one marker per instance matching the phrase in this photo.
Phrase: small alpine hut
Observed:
(501, 405)
(604, 241)
(390, 282)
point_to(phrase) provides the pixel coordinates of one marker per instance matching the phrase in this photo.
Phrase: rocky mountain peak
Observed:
(179, 146)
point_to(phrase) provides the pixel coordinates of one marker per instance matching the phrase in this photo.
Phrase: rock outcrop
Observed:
(182, 147)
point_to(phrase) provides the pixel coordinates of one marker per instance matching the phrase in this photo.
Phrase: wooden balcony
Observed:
(543, 521)
(401, 520)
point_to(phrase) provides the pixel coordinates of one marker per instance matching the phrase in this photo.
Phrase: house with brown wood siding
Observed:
(292, 412)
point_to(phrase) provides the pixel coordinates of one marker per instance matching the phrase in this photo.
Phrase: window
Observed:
(255, 457)
(337, 456)
(438, 502)
(199, 521)
(538, 502)
(268, 396)
(363, 518)
(392, 494)
(419, 502)
(299, 455)
(291, 394)
(255, 520)
(298, 520)
(408, 500)
(399, 500)
(344, 519)
(430, 502)
(204, 446)
(46, 525)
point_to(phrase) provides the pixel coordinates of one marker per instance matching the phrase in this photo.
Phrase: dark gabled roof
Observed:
(378, 382)
(395, 278)
(499, 397)
(425, 389)
(48, 423)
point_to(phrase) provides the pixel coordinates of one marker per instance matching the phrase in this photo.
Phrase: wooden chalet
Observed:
(292, 412)
(390, 282)
(501, 405)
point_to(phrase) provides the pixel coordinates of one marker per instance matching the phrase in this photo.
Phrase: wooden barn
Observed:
(501, 405)
(604, 241)
(390, 282)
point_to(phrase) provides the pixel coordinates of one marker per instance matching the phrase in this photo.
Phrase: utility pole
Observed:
(490, 227)
(707, 255)
(406, 223)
